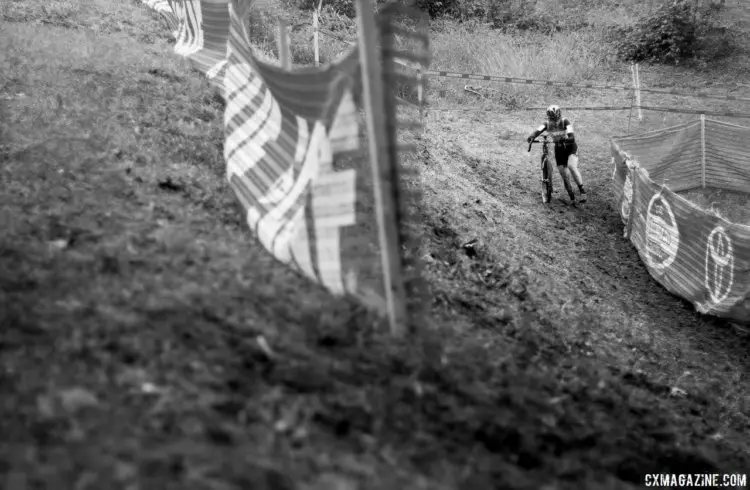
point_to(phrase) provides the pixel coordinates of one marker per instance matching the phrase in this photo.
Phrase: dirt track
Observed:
(576, 260)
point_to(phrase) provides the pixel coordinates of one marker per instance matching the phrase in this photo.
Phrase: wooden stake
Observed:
(316, 46)
(421, 68)
(703, 151)
(419, 85)
(635, 91)
(638, 91)
(380, 140)
(285, 54)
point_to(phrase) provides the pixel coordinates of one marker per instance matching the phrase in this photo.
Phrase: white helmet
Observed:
(554, 113)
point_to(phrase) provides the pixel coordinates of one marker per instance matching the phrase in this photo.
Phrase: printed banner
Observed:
(727, 158)
(672, 156)
(283, 132)
(693, 253)
(295, 149)
(203, 34)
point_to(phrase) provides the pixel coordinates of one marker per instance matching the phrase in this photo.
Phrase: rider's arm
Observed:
(537, 132)
(568, 130)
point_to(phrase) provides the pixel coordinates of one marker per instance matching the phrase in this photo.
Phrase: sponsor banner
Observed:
(671, 156)
(295, 150)
(203, 34)
(693, 253)
(283, 132)
(727, 158)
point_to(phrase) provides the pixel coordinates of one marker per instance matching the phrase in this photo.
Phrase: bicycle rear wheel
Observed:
(546, 182)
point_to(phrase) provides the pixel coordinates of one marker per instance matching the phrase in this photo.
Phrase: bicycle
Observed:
(546, 170)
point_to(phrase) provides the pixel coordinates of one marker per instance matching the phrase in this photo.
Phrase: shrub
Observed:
(347, 7)
(545, 16)
(343, 7)
(438, 8)
(435, 8)
(537, 15)
(675, 31)
(262, 27)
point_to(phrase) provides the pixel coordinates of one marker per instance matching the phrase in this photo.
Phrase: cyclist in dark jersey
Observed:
(566, 149)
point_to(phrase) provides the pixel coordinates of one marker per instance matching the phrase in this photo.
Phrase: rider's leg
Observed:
(561, 157)
(573, 166)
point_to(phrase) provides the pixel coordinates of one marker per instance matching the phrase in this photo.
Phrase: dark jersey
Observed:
(556, 129)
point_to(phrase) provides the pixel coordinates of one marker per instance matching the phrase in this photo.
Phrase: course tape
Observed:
(474, 109)
(581, 108)
(524, 81)
(693, 111)
(650, 108)
(602, 108)
(530, 81)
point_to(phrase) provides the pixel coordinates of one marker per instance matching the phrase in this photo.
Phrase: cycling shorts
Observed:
(563, 151)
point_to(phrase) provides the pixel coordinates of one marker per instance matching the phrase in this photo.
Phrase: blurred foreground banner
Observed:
(295, 148)
(693, 252)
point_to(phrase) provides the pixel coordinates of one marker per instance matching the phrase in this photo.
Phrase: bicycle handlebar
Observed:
(546, 141)
(537, 141)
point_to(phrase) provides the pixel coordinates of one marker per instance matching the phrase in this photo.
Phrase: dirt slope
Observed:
(148, 342)
(575, 265)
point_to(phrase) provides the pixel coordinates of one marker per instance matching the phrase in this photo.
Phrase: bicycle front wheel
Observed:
(546, 182)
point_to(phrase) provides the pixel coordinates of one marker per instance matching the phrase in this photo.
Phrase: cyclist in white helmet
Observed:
(566, 149)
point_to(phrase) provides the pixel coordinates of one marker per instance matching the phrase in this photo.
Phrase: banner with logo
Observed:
(693, 253)
(295, 149)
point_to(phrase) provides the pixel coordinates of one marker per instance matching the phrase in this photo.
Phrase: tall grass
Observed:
(468, 48)
(568, 56)
(472, 47)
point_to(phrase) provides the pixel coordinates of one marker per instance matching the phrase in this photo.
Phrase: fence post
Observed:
(703, 151)
(285, 55)
(316, 45)
(638, 90)
(635, 85)
(379, 139)
(632, 100)
(419, 84)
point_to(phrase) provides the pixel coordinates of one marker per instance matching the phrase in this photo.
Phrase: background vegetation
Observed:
(663, 31)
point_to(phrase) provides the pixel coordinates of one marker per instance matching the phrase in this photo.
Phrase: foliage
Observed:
(676, 31)
(508, 15)
(438, 8)
(343, 7)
